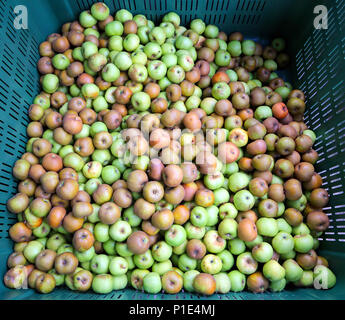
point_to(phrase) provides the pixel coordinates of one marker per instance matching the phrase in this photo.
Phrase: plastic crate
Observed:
(317, 68)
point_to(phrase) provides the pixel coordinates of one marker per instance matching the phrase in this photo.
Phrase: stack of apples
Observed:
(165, 159)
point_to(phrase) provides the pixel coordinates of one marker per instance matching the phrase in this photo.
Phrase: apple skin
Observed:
(262, 252)
(273, 271)
(236, 246)
(278, 286)
(211, 264)
(293, 272)
(227, 260)
(176, 235)
(188, 278)
(152, 283)
(102, 283)
(32, 250)
(162, 267)
(100, 264)
(118, 266)
(246, 264)
(161, 251)
(237, 280)
(283, 242)
(227, 229)
(223, 283)
(303, 243)
(120, 282)
(267, 227)
(244, 200)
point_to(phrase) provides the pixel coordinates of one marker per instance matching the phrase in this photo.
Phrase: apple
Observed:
(118, 266)
(176, 235)
(100, 264)
(120, 282)
(194, 232)
(115, 44)
(141, 101)
(122, 249)
(152, 283)
(50, 83)
(227, 210)
(293, 272)
(212, 216)
(283, 242)
(176, 74)
(248, 47)
(102, 283)
(307, 279)
(222, 58)
(32, 250)
(198, 216)
(188, 278)
(60, 62)
(161, 251)
(186, 263)
(246, 264)
(236, 246)
(211, 264)
(110, 174)
(227, 229)
(173, 18)
(262, 252)
(114, 28)
(169, 59)
(227, 260)
(86, 255)
(277, 286)
(181, 248)
(267, 227)
(237, 280)
(273, 271)
(214, 242)
(153, 50)
(123, 15)
(300, 229)
(284, 226)
(157, 69)
(244, 200)
(238, 181)
(120, 230)
(223, 283)
(198, 26)
(234, 47)
(131, 42)
(144, 260)
(55, 241)
(303, 243)
(221, 90)
(162, 267)
(136, 278)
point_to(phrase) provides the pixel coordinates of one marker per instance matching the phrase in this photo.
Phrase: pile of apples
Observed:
(165, 159)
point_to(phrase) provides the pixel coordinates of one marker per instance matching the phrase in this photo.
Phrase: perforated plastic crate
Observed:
(317, 68)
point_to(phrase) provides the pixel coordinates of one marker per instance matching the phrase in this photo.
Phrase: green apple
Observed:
(185, 263)
(161, 251)
(118, 266)
(262, 252)
(244, 200)
(120, 282)
(273, 271)
(283, 242)
(176, 235)
(246, 264)
(303, 243)
(236, 246)
(227, 260)
(293, 272)
(267, 227)
(211, 264)
(152, 283)
(214, 242)
(162, 267)
(102, 283)
(100, 264)
(278, 286)
(237, 280)
(198, 216)
(120, 230)
(238, 181)
(223, 283)
(188, 278)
